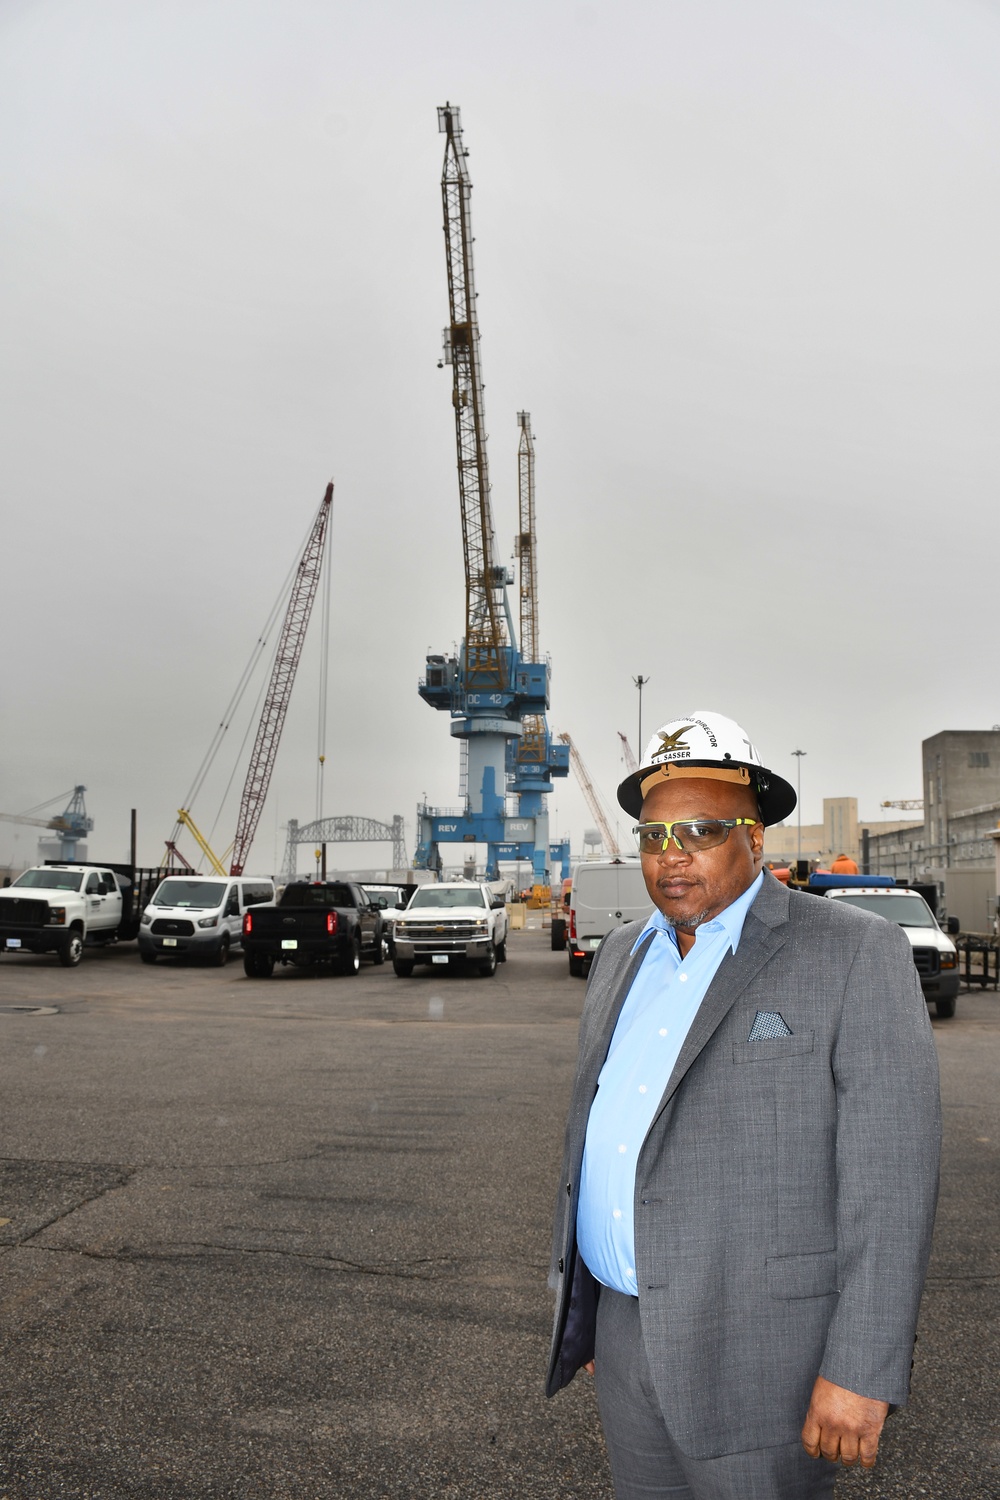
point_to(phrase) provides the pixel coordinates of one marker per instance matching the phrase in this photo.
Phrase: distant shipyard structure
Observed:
(952, 846)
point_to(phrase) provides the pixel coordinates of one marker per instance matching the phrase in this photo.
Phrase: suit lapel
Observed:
(763, 935)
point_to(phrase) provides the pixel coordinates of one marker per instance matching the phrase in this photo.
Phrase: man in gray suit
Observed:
(750, 1175)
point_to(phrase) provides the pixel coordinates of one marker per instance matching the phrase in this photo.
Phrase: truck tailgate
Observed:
(273, 925)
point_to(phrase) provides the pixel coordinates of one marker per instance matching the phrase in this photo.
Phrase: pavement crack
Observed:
(421, 1268)
(123, 1178)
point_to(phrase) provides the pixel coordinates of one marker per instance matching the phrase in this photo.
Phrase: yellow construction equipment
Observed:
(185, 818)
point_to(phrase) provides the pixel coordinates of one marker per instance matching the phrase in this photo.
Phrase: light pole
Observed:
(798, 794)
(640, 683)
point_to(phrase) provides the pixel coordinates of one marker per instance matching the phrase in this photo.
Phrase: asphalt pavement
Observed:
(289, 1238)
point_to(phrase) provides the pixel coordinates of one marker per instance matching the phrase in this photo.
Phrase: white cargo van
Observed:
(200, 914)
(606, 893)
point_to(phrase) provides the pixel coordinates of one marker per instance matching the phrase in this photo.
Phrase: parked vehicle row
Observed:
(333, 924)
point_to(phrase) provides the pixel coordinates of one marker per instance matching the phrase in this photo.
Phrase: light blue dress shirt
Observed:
(648, 1037)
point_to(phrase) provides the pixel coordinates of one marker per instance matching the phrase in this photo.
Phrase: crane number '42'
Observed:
(475, 699)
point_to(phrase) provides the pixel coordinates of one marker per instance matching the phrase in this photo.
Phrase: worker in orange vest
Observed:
(843, 865)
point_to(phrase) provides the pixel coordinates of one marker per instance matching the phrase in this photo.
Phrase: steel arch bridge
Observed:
(345, 830)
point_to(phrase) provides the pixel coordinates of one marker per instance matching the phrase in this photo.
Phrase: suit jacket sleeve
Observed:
(888, 1141)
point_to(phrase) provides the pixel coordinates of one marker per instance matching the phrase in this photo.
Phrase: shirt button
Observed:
(663, 1031)
(622, 1150)
(642, 1088)
(683, 979)
(630, 1273)
(617, 1213)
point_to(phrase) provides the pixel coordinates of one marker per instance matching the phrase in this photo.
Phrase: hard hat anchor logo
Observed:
(673, 742)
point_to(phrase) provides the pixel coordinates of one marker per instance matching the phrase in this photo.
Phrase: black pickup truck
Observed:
(328, 922)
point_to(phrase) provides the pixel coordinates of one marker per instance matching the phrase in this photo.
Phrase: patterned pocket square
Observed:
(767, 1024)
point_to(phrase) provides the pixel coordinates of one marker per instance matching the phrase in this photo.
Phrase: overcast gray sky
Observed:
(739, 261)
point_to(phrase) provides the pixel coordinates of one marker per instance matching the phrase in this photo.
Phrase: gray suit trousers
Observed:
(646, 1463)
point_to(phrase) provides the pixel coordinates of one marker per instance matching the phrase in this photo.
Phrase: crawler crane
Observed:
(272, 719)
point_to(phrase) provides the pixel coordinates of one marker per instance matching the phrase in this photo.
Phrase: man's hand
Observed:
(841, 1425)
(589, 1367)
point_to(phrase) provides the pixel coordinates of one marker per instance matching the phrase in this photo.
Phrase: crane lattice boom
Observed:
(58, 825)
(533, 740)
(526, 538)
(72, 824)
(593, 802)
(485, 625)
(628, 753)
(279, 692)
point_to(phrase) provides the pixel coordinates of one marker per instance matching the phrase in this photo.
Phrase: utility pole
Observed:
(798, 794)
(640, 683)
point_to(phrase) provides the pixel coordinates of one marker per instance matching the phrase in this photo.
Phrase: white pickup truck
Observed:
(451, 924)
(58, 908)
(934, 954)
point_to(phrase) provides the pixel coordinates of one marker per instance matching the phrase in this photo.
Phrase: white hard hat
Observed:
(712, 747)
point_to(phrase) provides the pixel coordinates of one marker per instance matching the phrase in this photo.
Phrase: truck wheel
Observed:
(557, 934)
(381, 950)
(351, 963)
(71, 950)
(502, 952)
(258, 965)
(402, 968)
(576, 967)
(147, 958)
(488, 967)
(221, 955)
(945, 1008)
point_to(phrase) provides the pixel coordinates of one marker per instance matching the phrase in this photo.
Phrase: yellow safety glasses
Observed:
(691, 835)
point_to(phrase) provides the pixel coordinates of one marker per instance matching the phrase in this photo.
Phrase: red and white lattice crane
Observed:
(279, 691)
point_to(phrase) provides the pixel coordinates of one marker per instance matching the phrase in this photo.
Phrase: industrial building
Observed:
(839, 833)
(953, 846)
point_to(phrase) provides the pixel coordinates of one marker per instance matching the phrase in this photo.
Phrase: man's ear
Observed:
(757, 842)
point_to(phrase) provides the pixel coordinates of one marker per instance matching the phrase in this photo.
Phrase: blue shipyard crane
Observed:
(72, 824)
(488, 687)
(532, 760)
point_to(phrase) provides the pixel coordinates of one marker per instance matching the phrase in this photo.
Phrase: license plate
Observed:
(594, 942)
(439, 958)
(170, 942)
(289, 942)
(13, 942)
